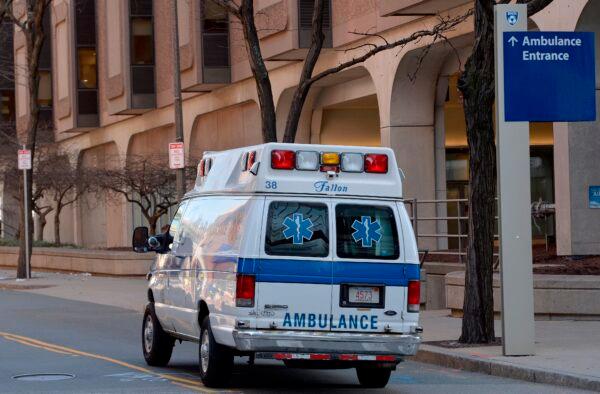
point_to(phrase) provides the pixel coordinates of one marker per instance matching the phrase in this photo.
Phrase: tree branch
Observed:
(438, 30)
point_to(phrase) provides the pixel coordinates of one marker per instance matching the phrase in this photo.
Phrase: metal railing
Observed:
(444, 245)
(460, 220)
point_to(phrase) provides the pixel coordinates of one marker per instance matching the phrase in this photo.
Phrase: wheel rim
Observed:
(148, 334)
(204, 351)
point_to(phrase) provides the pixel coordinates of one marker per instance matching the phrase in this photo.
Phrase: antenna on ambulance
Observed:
(402, 173)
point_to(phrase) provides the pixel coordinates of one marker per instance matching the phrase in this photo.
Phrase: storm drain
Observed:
(43, 377)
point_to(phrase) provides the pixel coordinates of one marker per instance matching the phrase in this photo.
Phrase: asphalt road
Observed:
(100, 347)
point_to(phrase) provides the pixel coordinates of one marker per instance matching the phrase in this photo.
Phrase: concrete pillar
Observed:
(440, 162)
(415, 152)
(578, 225)
(576, 165)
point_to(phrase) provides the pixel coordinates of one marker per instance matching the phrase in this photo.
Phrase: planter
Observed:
(556, 297)
(82, 260)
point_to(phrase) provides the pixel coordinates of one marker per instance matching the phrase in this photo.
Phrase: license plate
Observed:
(363, 295)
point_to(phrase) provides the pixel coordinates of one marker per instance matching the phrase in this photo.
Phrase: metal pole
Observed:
(512, 144)
(458, 231)
(180, 173)
(26, 224)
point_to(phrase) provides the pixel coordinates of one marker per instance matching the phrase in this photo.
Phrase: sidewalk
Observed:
(122, 292)
(567, 352)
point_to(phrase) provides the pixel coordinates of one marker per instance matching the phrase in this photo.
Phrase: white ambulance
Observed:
(299, 253)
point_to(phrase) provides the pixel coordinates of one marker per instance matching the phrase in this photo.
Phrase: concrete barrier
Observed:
(556, 297)
(434, 274)
(105, 262)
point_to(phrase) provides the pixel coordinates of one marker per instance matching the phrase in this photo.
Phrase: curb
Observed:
(434, 355)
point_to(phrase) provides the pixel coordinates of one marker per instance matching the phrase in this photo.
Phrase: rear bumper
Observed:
(326, 342)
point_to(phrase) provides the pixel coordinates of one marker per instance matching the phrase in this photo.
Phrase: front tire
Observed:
(157, 345)
(216, 361)
(373, 377)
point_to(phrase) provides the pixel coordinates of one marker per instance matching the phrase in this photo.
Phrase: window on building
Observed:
(142, 53)
(215, 42)
(45, 82)
(305, 14)
(7, 105)
(87, 66)
(45, 89)
(7, 85)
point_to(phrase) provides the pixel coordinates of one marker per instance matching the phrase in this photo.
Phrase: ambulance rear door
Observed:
(293, 274)
(370, 276)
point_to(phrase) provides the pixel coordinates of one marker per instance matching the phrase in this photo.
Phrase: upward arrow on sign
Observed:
(513, 40)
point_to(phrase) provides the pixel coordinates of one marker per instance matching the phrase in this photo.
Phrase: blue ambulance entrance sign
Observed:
(549, 76)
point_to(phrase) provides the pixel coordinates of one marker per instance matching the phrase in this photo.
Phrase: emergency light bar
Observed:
(301, 168)
(376, 163)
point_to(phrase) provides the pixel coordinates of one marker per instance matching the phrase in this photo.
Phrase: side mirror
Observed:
(140, 240)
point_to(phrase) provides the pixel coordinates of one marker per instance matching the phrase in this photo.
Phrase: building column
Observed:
(576, 169)
(414, 147)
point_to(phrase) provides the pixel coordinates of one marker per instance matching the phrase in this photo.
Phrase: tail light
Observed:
(376, 163)
(244, 290)
(283, 159)
(414, 295)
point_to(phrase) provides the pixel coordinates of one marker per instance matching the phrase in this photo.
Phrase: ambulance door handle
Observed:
(274, 306)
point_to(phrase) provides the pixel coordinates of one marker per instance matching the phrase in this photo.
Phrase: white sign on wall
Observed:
(24, 159)
(176, 155)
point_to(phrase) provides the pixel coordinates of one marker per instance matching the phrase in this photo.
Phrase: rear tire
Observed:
(216, 361)
(157, 345)
(373, 377)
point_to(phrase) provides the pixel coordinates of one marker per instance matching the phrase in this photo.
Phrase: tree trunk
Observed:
(259, 70)
(152, 220)
(57, 225)
(477, 86)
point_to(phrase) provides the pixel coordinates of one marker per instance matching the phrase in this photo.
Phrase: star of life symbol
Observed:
(512, 17)
(366, 231)
(297, 228)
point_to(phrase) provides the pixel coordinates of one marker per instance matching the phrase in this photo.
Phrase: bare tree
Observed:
(145, 181)
(61, 184)
(11, 176)
(32, 28)
(476, 84)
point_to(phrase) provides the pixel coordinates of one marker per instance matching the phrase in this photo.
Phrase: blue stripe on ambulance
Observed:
(327, 272)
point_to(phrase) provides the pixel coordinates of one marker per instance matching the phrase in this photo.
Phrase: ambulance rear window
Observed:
(366, 232)
(297, 229)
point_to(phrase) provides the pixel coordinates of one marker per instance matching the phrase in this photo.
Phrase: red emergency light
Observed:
(376, 163)
(283, 159)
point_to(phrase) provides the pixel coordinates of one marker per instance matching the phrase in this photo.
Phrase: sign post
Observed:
(24, 163)
(514, 203)
(543, 77)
